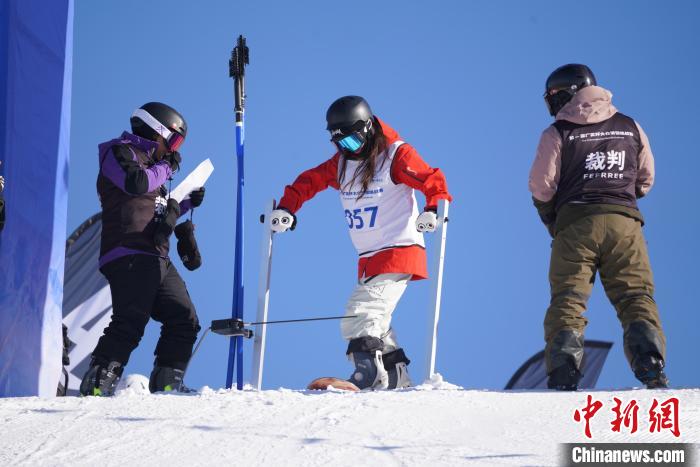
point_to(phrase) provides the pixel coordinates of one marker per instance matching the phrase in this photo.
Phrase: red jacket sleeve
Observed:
(410, 169)
(309, 183)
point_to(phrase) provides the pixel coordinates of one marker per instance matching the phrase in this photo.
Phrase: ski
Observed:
(436, 272)
(263, 297)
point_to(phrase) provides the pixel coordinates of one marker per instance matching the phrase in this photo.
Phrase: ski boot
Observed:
(564, 354)
(366, 353)
(564, 378)
(396, 365)
(101, 379)
(167, 379)
(644, 344)
(649, 369)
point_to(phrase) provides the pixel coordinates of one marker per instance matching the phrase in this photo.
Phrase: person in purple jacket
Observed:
(137, 220)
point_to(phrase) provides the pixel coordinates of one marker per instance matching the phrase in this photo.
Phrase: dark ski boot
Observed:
(369, 370)
(563, 355)
(167, 379)
(649, 369)
(644, 347)
(396, 366)
(564, 378)
(101, 379)
(366, 353)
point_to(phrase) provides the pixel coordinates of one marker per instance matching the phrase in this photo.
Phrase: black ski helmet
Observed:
(350, 122)
(564, 82)
(156, 118)
(346, 112)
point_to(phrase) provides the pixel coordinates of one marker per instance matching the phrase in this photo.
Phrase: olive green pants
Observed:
(612, 245)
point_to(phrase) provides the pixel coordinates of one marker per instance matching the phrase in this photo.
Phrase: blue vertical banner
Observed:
(36, 43)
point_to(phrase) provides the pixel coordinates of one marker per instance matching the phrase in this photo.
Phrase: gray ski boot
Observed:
(396, 366)
(167, 379)
(366, 353)
(101, 378)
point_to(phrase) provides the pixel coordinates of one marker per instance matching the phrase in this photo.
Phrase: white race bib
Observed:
(385, 216)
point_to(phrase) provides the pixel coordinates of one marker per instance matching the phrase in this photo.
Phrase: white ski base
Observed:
(436, 424)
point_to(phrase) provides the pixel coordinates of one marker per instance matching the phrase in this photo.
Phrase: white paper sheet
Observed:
(194, 180)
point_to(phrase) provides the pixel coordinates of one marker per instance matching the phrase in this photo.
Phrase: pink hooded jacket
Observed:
(591, 104)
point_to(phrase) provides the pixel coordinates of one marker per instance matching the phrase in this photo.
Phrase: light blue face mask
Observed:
(350, 143)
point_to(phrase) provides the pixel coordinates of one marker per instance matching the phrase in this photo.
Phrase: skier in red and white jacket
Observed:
(375, 173)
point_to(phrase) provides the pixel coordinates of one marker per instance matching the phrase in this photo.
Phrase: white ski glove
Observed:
(426, 222)
(282, 220)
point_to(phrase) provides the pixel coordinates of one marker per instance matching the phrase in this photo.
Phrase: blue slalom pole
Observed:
(239, 58)
(235, 353)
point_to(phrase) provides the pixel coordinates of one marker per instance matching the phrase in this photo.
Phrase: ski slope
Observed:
(434, 424)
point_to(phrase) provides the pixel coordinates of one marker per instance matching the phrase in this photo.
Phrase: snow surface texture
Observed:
(433, 424)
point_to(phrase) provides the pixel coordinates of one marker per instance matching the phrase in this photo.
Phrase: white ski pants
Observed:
(372, 302)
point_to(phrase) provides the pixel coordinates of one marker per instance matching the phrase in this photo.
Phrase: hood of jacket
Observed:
(592, 104)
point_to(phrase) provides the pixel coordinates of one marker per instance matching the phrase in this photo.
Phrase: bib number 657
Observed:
(361, 218)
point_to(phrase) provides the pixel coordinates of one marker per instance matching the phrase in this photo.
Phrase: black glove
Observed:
(197, 196)
(173, 159)
(167, 224)
(187, 246)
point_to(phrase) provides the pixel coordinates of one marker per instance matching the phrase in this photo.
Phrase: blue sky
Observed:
(460, 81)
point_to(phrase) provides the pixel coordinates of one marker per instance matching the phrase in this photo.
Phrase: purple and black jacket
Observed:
(132, 193)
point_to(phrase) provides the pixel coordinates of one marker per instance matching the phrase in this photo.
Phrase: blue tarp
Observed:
(36, 41)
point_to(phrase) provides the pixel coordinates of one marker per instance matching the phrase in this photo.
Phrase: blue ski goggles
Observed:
(351, 139)
(351, 143)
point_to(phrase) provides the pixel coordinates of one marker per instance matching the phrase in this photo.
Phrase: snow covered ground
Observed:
(434, 424)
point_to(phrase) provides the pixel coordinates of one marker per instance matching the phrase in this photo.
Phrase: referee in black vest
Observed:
(591, 166)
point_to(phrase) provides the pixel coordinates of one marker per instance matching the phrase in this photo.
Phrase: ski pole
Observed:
(436, 273)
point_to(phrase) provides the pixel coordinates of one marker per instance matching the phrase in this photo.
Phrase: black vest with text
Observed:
(599, 162)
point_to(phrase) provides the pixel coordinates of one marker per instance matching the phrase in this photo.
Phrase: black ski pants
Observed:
(144, 287)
